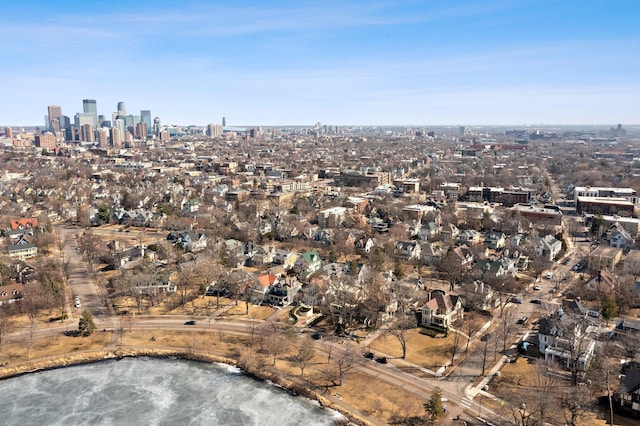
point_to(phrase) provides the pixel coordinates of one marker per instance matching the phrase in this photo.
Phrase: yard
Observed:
(424, 351)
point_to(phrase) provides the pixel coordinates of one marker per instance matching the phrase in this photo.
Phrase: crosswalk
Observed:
(465, 402)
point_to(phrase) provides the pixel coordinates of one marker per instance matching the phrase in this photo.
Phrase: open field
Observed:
(425, 351)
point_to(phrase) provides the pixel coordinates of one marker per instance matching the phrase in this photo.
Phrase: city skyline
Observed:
(343, 63)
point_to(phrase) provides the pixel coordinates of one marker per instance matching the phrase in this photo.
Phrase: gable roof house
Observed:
(470, 236)
(23, 248)
(363, 244)
(548, 247)
(566, 339)
(495, 240)
(188, 240)
(499, 267)
(24, 223)
(628, 394)
(307, 263)
(442, 309)
(619, 237)
(10, 293)
(429, 231)
(407, 250)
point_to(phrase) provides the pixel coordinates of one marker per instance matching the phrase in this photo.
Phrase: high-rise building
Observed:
(65, 122)
(224, 121)
(103, 137)
(89, 106)
(156, 127)
(8, 132)
(86, 133)
(116, 138)
(141, 130)
(46, 140)
(145, 117)
(122, 111)
(53, 119)
(214, 130)
(82, 118)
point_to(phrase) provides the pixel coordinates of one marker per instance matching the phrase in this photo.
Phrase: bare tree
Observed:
(399, 330)
(506, 327)
(344, 364)
(304, 355)
(576, 403)
(5, 324)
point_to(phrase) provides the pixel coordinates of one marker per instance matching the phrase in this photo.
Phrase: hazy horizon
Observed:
(337, 62)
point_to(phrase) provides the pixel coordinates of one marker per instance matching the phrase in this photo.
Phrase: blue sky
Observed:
(337, 62)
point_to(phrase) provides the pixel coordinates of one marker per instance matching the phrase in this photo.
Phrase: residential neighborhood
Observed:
(390, 239)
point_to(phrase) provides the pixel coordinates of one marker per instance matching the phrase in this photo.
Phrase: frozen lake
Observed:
(147, 391)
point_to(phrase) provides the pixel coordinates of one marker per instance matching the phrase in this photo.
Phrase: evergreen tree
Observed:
(86, 326)
(433, 406)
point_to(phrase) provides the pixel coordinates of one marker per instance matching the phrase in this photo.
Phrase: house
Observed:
(442, 309)
(283, 292)
(628, 393)
(188, 240)
(192, 205)
(566, 339)
(25, 223)
(159, 285)
(495, 240)
(135, 253)
(464, 254)
(603, 283)
(449, 232)
(470, 236)
(264, 255)
(308, 263)
(429, 231)
(363, 244)
(548, 247)
(10, 293)
(23, 248)
(431, 253)
(619, 237)
(499, 267)
(408, 250)
(604, 257)
(261, 285)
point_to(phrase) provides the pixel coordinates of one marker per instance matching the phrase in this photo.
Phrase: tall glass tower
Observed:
(89, 107)
(145, 117)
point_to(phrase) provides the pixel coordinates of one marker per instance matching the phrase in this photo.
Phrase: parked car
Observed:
(577, 267)
(536, 301)
(382, 360)
(190, 322)
(317, 336)
(537, 287)
(523, 320)
(566, 261)
(516, 300)
(369, 355)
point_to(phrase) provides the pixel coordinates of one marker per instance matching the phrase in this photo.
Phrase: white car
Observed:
(537, 287)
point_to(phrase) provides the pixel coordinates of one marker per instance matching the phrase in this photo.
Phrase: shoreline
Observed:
(95, 356)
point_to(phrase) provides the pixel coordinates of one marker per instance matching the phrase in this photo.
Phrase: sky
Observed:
(370, 62)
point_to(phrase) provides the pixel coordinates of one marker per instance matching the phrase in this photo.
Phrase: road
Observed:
(82, 285)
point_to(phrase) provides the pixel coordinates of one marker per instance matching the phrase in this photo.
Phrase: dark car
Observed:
(536, 301)
(516, 300)
(369, 355)
(523, 320)
(566, 261)
(317, 336)
(190, 322)
(382, 360)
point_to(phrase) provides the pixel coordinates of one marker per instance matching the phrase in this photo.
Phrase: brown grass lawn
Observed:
(422, 350)
(255, 311)
(45, 347)
(515, 384)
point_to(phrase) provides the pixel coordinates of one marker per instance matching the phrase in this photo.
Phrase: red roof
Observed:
(24, 223)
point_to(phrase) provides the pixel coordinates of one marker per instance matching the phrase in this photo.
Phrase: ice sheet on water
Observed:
(149, 391)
